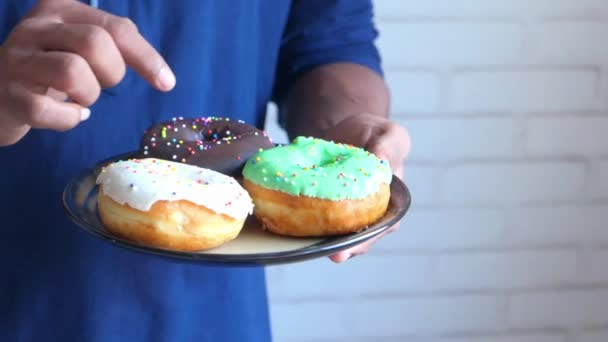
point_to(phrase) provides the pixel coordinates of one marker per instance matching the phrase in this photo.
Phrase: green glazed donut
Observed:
(318, 168)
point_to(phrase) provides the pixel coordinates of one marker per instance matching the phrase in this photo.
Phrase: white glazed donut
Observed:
(171, 205)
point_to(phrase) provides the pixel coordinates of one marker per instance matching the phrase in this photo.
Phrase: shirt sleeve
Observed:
(320, 32)
(8, 19)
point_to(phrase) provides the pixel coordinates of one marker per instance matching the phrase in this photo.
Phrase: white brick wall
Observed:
(524, 90)
(454, 139)
(424, 42)
(576, 135)
(483, 183)
(422, 90)
(507, 238)
(558, 225)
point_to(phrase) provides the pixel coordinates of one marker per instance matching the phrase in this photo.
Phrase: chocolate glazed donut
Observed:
(214, 143)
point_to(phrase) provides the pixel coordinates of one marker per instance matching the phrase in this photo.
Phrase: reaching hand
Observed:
(380, 136)
(65, 49)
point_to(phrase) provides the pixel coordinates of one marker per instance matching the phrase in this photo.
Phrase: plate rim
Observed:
(325, 247)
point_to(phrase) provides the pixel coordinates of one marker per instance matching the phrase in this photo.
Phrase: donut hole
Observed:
(214, 134)
(322, 160)
(329, 160)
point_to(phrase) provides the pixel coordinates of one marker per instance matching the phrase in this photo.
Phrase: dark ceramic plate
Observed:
(253, 246)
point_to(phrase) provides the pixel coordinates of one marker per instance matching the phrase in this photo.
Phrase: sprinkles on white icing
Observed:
(141, 182)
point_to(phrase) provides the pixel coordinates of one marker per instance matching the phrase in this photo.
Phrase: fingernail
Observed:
(85, 113)
(166, 78)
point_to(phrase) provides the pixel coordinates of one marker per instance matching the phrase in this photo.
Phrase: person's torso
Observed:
(59, 283)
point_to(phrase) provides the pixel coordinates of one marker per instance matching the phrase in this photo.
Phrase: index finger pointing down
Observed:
(137, 52)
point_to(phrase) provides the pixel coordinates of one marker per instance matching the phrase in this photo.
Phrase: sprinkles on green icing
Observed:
(318, 168)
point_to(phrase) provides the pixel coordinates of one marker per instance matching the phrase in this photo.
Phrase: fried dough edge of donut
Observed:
(201, 228)
(301, 216)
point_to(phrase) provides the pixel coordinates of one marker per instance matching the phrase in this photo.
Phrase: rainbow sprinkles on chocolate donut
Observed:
(216, 143)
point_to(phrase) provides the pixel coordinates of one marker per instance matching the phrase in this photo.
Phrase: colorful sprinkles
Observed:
(318, 168)
(206, 140)
(142, 182)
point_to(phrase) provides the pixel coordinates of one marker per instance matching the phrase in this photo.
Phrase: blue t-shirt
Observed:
(231, 58)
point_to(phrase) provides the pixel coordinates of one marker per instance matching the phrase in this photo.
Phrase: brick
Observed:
(505, 270)
(563, 225)
(592, 336)
(567, 136)
(448, 139)
(511, 338)
(418, 42)
(440, 314)
(420, 180)
(413, 91)
(434, 229)
(322, 320)
(468, 338)
(361, 339)
(371, 274)
(484, 8)
(593, 269)
(600, 180)
(569, 42)
(503, 182)
(564, 309)
(524, 90)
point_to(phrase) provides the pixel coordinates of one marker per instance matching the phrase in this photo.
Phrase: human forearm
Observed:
(347, 103)
(330, 94)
